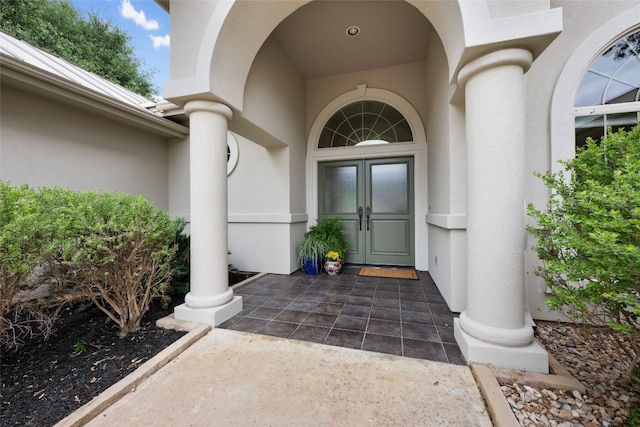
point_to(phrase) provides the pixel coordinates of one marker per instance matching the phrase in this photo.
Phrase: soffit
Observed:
(391, 33)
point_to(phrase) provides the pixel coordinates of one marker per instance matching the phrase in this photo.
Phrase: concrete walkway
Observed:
(230, 378)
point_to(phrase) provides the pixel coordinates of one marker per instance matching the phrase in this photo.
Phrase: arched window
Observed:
(365, 123)
(609, 93)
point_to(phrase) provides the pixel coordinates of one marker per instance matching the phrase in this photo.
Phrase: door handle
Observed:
(360, 216)
(368, 215)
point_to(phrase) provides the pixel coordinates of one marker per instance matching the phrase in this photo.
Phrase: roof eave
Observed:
(21, 74)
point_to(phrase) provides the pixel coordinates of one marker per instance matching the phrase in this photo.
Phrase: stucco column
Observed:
(210, 299)
(494, 328)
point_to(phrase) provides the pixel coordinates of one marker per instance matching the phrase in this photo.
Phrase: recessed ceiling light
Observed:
(353, 31)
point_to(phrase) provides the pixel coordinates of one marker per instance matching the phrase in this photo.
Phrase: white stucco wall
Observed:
(447, 182)
(407, 81)
(193, 15)
(178, 170)
(45, 143)
(266, 189)
(581, 20)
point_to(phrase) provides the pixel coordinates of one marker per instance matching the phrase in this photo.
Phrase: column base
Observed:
(532, 357)
(213, 316)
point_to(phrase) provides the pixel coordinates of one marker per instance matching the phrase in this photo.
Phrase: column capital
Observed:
(209, 106)
(513, 56)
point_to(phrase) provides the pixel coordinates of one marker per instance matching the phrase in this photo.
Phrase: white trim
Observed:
(447, 221)
(232, 143)
(563, 113)
(623, 107)
(417, 149)
(268, 218)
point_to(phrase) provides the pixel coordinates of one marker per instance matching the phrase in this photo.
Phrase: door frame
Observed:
(417, 149)
(363, 230)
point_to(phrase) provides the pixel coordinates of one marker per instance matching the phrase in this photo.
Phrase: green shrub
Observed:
(588, 237)
(115, 249)
(21, 314)
(330, 232)
(180, 266)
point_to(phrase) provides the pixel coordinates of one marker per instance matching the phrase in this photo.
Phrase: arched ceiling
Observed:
(391, 33)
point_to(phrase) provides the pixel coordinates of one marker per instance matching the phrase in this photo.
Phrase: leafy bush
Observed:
(330, 231)
(588, 237)
(180, 266)
(21, 314)
(115, 249)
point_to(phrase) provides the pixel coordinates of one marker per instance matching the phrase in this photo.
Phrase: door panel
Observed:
(340, 194)
(382, 190)
(390, 237)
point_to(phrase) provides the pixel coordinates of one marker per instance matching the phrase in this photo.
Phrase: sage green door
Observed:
(374, 199)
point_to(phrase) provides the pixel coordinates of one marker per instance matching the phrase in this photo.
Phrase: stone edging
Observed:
(487, 377)
(98, 404)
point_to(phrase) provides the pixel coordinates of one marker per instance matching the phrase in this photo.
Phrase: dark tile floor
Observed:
(395, 316)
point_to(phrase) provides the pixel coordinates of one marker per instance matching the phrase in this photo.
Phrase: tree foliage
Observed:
(626, 47)
(94, 44)
(588, 237)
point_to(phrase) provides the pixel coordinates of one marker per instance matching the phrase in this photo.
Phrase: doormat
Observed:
(391, 273)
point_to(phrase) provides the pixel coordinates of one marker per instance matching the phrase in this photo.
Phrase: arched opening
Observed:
(609, 93)
(568, 117)
(345, 179)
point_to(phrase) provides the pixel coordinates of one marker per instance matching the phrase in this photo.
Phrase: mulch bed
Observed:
(45, 381)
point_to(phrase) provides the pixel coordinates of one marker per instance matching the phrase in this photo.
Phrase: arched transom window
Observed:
(365, 123)
(609, 93)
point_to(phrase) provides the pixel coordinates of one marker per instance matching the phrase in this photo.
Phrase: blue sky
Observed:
(146, 23)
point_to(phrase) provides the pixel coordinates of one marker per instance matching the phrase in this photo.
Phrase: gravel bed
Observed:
(598, 363)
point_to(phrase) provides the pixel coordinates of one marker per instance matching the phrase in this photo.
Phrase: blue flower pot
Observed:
(312, 265)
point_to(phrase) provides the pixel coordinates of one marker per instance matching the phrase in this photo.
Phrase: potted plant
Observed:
(325, 236)
(329, 230)
(311, 252)
(332, 263)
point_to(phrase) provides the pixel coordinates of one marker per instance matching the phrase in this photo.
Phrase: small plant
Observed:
(180, 266)
(325, 236)
(634, 416)
(310, 253)
(332, 256)
(329, 231)
(79, 347)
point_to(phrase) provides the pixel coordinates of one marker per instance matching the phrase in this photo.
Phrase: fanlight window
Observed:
(609, 93)
(365, 123)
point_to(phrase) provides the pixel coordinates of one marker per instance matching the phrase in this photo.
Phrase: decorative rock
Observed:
(607, 400)
(565, 414)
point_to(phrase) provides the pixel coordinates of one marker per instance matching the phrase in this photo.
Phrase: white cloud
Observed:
(160, 41)
(129, 12)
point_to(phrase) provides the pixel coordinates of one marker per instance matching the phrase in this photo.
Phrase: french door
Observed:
(374, 199)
